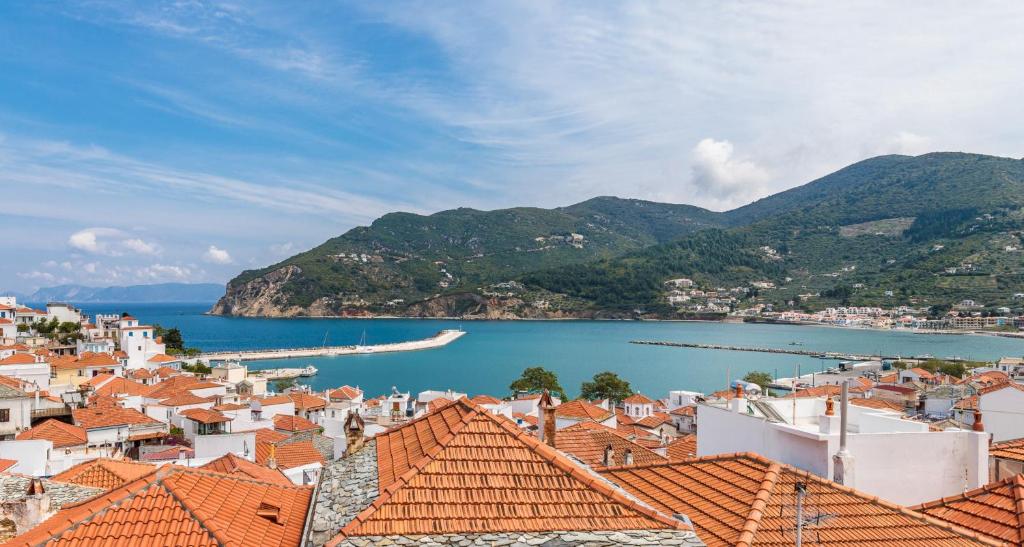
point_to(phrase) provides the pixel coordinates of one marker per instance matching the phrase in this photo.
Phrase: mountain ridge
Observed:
(130, 294)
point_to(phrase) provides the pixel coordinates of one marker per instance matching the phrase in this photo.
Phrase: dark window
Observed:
(5, 414)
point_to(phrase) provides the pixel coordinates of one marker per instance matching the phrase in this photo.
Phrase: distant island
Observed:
(131, 294)
(933, 232)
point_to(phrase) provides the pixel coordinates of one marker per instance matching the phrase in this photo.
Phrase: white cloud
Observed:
(216, 255)
(156, 273)
(85, 240)
(37, 275)
(110, 242)
(140, 246)
(718, 173)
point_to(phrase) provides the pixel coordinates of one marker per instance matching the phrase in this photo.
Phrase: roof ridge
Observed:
(1017, 487)
(699, 459)
(764, 493)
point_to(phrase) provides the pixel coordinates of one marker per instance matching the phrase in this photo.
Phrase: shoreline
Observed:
(439, 340)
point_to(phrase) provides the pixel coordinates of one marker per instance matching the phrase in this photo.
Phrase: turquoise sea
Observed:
(493, 353)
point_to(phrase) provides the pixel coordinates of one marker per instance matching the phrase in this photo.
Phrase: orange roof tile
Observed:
(231, 464)
(265, 435)
(531, 420)
(293, 423)
(181, 506)
(98, 379)
(436, 404)
(345, 393)
(582, 410)
(653, 421)
(170, 453)
(877, 403)
(104, 473)
(186, 398)
(889, 378)
(995, 510)
(59, 433)
(172, 386)
(124, 386)
(462, 469)
(140, 373)
(683, 448)
(205, 416)
(274, 400)
(162, 358)
(7, 464)
(967, 403)
(92, 359)
(109, 416)
(744, 499)
(1008, 450)
(289, 455)
(690, 410)
(305, 401)
(166, 372)
(587, 441)
(486, 400)
(19, 359)
(922, 373)
(638, 399)
(14, 382)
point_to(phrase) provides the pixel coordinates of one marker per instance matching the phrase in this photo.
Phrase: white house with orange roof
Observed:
(1001, 407)
(265, 408)
(638, 406)
(141, 346)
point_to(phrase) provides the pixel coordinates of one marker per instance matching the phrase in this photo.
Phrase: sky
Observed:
(147, 142)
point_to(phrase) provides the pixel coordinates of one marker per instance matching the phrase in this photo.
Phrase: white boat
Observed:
(308, 371)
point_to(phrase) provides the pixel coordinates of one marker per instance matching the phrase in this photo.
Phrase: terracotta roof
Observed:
(166, 372)
(293, 423)
(172, 386)
(274, 400)
(346, 393)
(485, 400)
(289, 455)
(19, 359)
(683, 448)
(638, 399)
(1008, 450)
(140, 373)
(967, 403)
(92, 359)
(109, 416)
(999, 387)
(922, 372)
(744, 499)
(120, 385)
(690, 410)
(181, 506)
(6, 464)
(186, 398)
(99, 379)
(205, 416)
(265, 435)
(889, 378)
(170, 453)
(147, 435)
(162, 358)
(877, 403)
(437, 404)
(531, 420)
(16, 383)
(104, 473)
(231, 464)
(231, 406)
(59, 433)
(653, 421)
(904, 390)
(462, 469)
(995, 510)
(305, 401)
(587, 441)
(582, 410)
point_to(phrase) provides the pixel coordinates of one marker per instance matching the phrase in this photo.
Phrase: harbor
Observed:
(441, 339)
(286, 373)
(807, 353)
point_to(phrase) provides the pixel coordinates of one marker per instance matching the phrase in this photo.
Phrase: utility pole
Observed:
(801, 490)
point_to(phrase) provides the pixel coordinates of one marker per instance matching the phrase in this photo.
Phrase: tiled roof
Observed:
(104, 473)
(289, 455)
(109, 416)
(172, 386)
(120, 385)
(170, 453)
(181, 506)
(15, 383)
(690, 410)
(293, 423)
(93, 359)
(922, 372)
(6, 464)
(903, 390)
(464, 470)
(653, 421)
(231, 406)
(999, 387)
(1008, 450)
(486, 400)
(587, 441)
(265, 435)
(345, 393)
(582, 410)
(186, 398)
(528, 419)
(162, 358)
(18, 359)
(437, 404)
(638, 399)
(140, 373)
(995, 510)
(99, 379)
(231, 464)
(877, 403)
(205, 416)
(683, 448)
(967, 403)
(889, 378)
(305, 401)
(274, 400)
(744, 499)
(165, 372)
(59, 433)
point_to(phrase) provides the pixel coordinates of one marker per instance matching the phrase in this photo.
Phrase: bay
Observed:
(494, 353)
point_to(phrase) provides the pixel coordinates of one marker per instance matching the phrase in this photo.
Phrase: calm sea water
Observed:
(494, 353)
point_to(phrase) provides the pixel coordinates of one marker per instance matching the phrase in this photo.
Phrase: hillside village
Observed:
(96, 429)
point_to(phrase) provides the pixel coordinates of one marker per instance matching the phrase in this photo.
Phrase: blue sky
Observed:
(185, 141)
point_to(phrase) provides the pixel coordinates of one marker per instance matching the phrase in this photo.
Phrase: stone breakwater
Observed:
(440, 339)
(808, 353)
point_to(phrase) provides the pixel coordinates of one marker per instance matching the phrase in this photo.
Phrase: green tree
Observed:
(762, 379)
(283, 384)
(23, 327)
(953, 368)
(198, 368)
(606, 385)
(538, 379)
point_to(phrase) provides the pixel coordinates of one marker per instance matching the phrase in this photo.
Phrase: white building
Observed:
(65, 313)
(895, 459)
(1000, 405)
(15, 412)
(138, 342)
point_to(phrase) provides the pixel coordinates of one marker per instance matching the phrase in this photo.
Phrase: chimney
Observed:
(354, 428)
(627, 458)
(547, 415)
(978, 426)
(738, 402)
(830, 409)
(842, 461)
(609, 456)
(272, 459)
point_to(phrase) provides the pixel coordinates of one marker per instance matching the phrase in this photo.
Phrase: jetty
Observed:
(440, 339)
(793, 351)
(285, 373)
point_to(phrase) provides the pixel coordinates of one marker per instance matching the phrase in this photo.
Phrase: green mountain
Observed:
(925, 230)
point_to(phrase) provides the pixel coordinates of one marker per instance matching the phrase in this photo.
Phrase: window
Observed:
(5, 415)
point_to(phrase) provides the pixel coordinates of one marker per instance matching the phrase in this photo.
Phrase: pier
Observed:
(440, 339)
(808, 353)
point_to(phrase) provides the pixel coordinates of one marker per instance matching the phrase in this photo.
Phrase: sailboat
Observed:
(362, 347)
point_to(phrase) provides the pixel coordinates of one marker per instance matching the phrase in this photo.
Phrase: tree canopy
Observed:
(606, 385)
(536, 379)
(762, 379)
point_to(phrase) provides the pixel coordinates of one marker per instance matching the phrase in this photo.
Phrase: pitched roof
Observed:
(293, 423)
(140, 373)
(999, 387)
(123, 385)
(995, 510)
(967, 403)
(921, 372)
(904, 390)
(231, 464)
(690, 410)
(877, 403)
(162, 358)
(485, 400)
(186, 398)
(6, 464)
(683, 448)
(97, 359)
(1008, 450)
(109, 416)
(588, 441)
(181, 506)
(289, 455)
(266, 435)
(653, 421)
(274, 400)
(462, 469)
(19, 359)
(638, 399)
(104, 473)
(744, 499)
(345, 393)
(166, 372)
(305, 401)
(59, 433)
(582, 410)
(205, 416)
